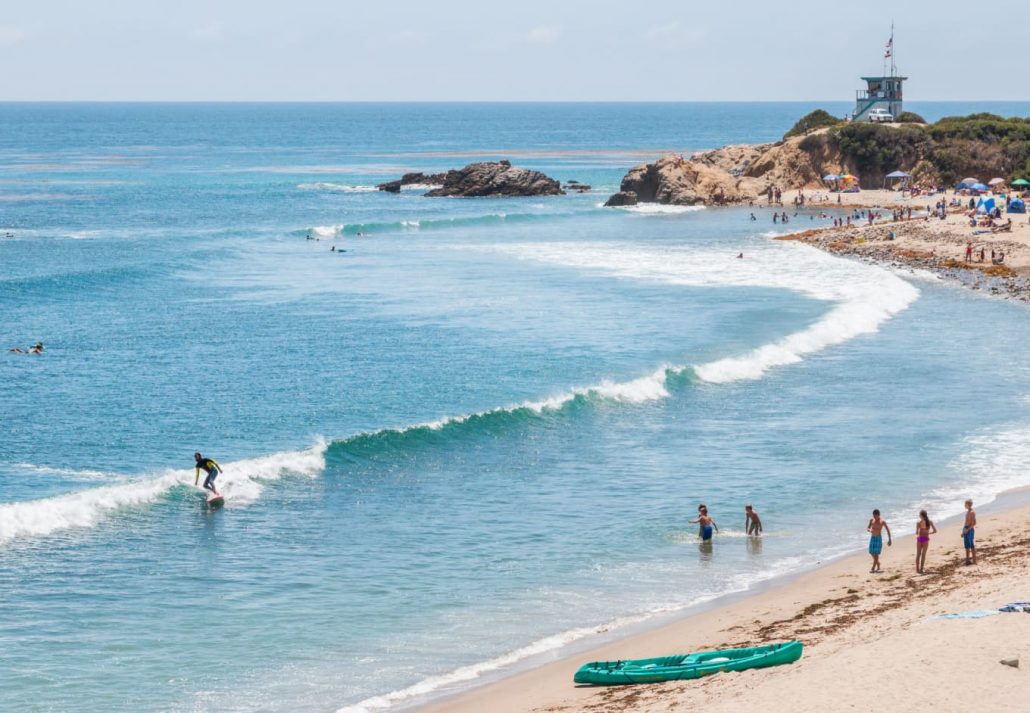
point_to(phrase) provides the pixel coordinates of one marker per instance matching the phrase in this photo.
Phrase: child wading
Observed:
(923, 530)
(752, 522)
(875, 527)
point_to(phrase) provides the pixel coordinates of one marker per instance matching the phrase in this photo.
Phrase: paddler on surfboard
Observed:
(212, 468)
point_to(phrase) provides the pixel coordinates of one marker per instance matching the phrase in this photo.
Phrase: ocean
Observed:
(469, 440)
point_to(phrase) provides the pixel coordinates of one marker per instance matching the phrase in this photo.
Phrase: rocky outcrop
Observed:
(676, 181)
(498, 178)
(622, 198)
(733, 174)
(412, 179)
(574, 185)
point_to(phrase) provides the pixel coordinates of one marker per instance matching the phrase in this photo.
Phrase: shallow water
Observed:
(474, 436)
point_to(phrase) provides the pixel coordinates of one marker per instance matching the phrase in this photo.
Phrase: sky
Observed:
(529, 50)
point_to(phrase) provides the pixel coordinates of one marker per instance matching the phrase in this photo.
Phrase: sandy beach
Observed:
(870, 639)
(935, 245)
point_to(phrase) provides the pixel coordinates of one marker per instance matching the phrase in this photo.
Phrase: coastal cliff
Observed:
(732, 174)
(939, 154)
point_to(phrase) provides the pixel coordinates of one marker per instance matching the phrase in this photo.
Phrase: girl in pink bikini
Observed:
(923, 530)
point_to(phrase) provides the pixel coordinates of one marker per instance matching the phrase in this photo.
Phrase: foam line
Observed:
(865, 296)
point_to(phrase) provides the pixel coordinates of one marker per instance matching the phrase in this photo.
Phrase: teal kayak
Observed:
(675, 668)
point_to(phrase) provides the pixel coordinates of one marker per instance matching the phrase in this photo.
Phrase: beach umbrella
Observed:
(831, 177)
(848, 177)
(1021, 182)
(978, 187)
(995, 181)
(898, 174)
(969, 181)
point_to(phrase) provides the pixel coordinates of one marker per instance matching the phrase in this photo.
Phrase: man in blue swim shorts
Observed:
(876, 527)
(969, 533)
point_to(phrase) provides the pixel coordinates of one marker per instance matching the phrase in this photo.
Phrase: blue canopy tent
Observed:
(896, 175)
(1017, 205)
(978, 187)
(985, 206)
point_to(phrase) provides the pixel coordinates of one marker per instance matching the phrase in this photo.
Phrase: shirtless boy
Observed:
(969, 533)
(876, 527)
(752, 523)
(707, 524)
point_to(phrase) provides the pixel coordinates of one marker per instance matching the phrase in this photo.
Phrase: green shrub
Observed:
(909, 117)
(811, 121)
(874, 150)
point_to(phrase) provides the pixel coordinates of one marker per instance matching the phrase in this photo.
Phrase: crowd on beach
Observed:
(876, 528)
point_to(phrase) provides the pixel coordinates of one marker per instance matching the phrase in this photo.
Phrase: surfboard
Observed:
(215, 501)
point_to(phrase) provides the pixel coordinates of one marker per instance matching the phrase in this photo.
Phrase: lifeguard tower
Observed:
(884, 92)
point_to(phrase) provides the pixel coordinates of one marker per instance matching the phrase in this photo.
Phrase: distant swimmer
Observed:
(36, 348)
(752, 522)
(753, 217)
(212, 468)
(740, 256)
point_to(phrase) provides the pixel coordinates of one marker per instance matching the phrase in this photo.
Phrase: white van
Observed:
(880, 114)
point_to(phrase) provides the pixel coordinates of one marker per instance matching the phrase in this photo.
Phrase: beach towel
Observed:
(973, 614)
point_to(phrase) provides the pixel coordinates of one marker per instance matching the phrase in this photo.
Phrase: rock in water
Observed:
(622, 198)
(409, 179)
(496, 179)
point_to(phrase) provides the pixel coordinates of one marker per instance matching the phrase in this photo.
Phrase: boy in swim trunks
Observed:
(752, 523)
(969, 533)
(707, 523)
(876, 527)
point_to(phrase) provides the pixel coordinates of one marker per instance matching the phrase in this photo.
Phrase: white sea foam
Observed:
(420, 186)
(84, 474)
(991, 463)
(865, 296)
(660, 209)
(242, 483)
(336, 187)
(327, 231)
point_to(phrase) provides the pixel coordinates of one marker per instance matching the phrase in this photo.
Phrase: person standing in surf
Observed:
(706, 523)
(875, 529)
(211, 467)
(752, 523)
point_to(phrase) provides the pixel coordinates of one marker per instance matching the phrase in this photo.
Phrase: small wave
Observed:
(66, 472)
(336, 187)
(329, 231)
(660, 209)
(242, 482)
(471, 672)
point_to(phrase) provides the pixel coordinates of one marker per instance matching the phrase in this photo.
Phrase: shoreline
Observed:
(820, 605)
(932, 245)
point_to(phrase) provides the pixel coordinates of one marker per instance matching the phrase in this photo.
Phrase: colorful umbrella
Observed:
(970, 181)
(995, 181)
(1021, 182)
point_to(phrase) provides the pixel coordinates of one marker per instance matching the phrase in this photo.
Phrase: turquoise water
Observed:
(471, 439)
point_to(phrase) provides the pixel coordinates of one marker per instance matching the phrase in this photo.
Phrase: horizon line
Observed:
(486, 101)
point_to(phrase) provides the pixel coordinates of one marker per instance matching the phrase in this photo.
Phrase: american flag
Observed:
(890, 47)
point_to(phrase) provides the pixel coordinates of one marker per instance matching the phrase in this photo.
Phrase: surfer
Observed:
(212, 468)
